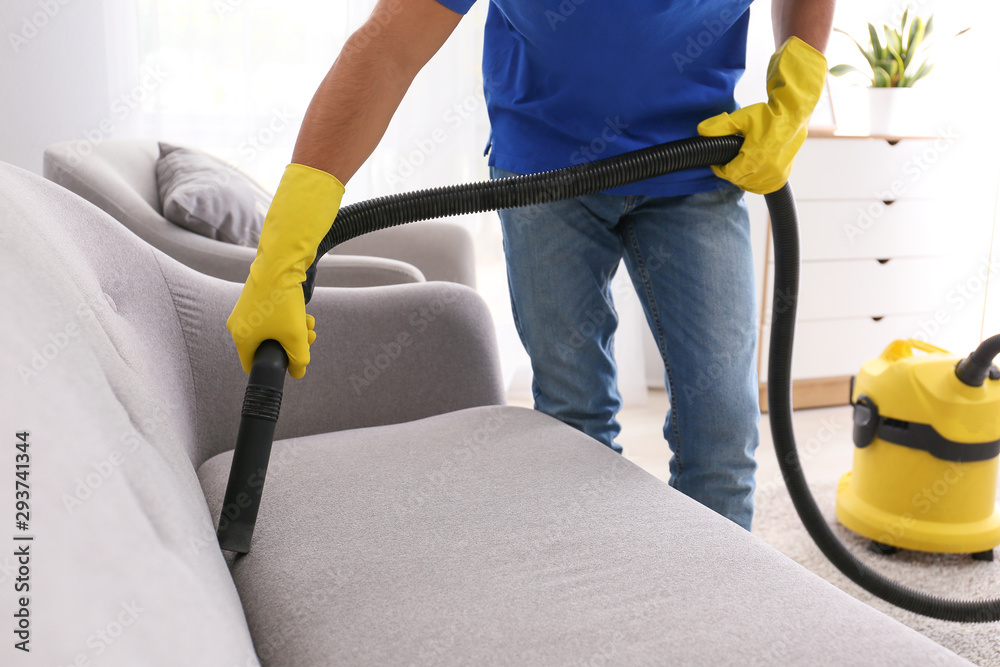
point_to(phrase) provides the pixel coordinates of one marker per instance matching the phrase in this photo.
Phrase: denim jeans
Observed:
(689, 259)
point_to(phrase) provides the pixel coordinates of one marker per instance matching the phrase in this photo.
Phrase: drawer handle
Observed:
(877, 318)
(883, 261)
(888, 202)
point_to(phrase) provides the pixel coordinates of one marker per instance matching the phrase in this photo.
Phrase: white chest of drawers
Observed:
(896, 241)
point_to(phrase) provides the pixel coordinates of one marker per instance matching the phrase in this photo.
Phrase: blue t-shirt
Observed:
(570, 81)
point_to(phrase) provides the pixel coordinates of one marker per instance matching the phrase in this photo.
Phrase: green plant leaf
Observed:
(921, 72)
(894, 45)
(841, 70)
(877, 49)
(930, 26)
(869, 56)
(893, 41)
(902, 23)
(916, 37)
(887, 64)
(882, 79)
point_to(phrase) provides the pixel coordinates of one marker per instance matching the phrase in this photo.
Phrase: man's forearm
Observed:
(809, 20)
(359, 95)
(349, 112)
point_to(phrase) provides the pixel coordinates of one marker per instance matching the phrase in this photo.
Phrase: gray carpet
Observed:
(946, 575)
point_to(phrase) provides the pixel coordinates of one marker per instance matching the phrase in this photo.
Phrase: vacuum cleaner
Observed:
(927, 439)
(262, 401)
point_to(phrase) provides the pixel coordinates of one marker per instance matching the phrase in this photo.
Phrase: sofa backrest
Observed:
(96, 284)
(116, 175)
(98, 374)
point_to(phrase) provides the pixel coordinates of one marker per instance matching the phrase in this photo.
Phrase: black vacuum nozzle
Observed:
(261, 405)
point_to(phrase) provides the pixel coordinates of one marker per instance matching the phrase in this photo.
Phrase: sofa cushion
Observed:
(208, 197)
(500, 536)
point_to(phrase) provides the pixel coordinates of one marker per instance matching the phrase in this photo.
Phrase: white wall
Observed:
(55, 79)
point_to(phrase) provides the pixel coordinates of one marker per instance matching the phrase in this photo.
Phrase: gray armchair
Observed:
(119, 177)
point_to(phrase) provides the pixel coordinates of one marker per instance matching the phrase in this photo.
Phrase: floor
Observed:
(823, 437)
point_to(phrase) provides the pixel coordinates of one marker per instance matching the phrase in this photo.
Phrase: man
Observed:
(569, 81)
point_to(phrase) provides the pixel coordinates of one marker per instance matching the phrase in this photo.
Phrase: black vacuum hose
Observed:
(612, 172)
(975, 368)
(785, 233)
(527, 190)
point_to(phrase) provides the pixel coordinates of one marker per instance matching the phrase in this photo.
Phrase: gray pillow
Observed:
(205, 195)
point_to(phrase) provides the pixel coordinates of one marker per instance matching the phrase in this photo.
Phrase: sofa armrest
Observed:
(393, 354)
(383, 355)
(441, 250)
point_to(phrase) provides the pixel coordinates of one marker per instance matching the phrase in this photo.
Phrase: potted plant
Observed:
(896, 63)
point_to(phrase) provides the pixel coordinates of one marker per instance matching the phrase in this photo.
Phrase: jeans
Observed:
(689, 259)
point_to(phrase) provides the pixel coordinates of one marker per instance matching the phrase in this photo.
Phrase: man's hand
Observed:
(272, 305)
(773, 131)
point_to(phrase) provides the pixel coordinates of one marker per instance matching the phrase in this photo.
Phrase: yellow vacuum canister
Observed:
(925, 456)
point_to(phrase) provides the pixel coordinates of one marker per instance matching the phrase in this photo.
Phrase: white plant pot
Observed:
(896, 111)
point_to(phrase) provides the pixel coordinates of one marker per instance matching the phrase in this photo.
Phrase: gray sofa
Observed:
(409, 517)
(119, 177)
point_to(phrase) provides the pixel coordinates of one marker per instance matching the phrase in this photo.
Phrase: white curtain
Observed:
(238, 76)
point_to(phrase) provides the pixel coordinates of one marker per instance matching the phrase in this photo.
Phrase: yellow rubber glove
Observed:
(773, 131)
(272, 305)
